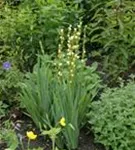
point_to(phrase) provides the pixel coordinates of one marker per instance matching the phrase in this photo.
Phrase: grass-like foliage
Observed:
(62, 87)
(113, 118)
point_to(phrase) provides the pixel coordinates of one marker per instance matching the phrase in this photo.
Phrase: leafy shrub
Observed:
(22, 28)
(113, 118)
(8, 135)
(12, 2)
(3, 108)
(10, 76)
(111, 32)
(63, 87)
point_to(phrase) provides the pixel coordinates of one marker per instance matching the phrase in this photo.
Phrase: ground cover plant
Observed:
(112, 118)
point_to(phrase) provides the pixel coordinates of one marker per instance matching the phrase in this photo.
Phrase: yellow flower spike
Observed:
(31, 135)
(62, 122)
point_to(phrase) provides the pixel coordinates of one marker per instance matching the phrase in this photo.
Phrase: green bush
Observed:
(61, 87)
(113, 118)
(3, 108)
(110, 30)
(32, 24)
(10, 76)
(8, 135)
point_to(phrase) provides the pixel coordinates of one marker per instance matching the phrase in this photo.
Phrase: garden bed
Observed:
(69, 68)
(22, 123)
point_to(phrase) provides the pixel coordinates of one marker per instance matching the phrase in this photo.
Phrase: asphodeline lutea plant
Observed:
(72, 50)
(63, 90)
(60, 55)
(77, 85)
(69, 58)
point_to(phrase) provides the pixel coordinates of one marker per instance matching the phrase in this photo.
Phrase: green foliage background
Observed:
(24, 26)
(111, 32)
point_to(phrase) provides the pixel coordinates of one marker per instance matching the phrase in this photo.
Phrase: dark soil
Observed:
(22, 123)
(86, 142)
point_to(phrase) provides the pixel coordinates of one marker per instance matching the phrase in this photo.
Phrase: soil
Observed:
(22, 123)
(86, 141)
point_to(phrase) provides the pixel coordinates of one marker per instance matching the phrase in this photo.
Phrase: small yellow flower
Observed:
(62, 122)
(31, 135)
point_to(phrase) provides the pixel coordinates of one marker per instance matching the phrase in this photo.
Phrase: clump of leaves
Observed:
(8, 135)
(112, 27)
(63, 87)
(10, 77)
(3, 108)
(113, 117)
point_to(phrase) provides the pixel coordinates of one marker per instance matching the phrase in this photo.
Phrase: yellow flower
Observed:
(31, 135)
(62, 122)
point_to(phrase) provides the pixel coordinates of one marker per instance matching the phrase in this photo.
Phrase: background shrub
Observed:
(10, 76)
(25, 27)
(110, 33)
(113, 118)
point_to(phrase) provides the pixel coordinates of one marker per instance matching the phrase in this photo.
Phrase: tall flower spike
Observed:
(84, 42)
(61, 43)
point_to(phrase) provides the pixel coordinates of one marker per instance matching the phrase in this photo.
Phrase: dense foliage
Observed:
(112, 118)
(111, 31)
(24, 29)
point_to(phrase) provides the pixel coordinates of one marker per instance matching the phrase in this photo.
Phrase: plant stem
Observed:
(22, 146)
(28, 144)
(53, 144)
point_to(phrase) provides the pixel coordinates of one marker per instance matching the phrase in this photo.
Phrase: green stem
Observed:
(22, 146)
(28, 144)
(53, 144)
